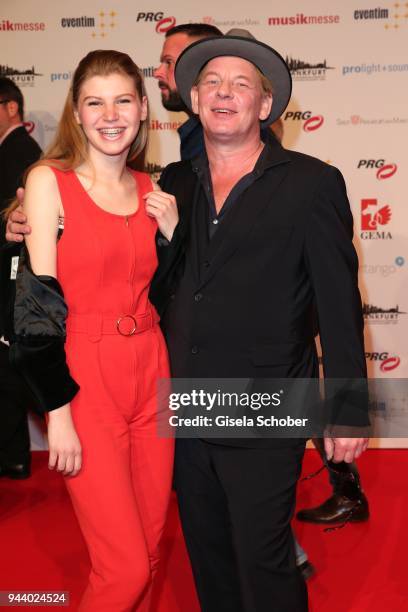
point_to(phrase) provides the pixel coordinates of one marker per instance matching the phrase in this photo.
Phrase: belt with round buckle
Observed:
(119, 321)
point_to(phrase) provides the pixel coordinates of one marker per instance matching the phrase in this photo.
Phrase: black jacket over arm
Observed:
(35, 326)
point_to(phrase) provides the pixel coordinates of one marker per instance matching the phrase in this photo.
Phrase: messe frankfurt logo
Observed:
(372, 216)
(307, 71)
(378, 315)
(22, 78)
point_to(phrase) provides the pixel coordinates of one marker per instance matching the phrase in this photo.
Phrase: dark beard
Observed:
(174, 102)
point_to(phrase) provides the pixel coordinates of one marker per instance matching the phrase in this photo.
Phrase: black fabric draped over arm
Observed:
(37, 343)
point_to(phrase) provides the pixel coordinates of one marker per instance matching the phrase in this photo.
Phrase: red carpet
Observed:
(361, 568)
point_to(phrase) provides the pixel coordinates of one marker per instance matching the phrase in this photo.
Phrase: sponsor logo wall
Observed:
(350, 85)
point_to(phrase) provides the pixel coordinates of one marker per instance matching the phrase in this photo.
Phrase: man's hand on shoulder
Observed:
(17, 226)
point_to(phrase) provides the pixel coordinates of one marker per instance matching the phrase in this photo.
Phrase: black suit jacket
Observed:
(17, 152)
(245, 306)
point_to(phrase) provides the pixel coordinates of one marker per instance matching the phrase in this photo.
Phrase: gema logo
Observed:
(310, 122)
(373, 217)
(383, 170)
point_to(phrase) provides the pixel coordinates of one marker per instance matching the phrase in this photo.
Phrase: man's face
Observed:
(164, 73)
(229, 99)
(5, 115)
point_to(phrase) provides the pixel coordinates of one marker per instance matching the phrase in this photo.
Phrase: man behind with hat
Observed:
(267, 234)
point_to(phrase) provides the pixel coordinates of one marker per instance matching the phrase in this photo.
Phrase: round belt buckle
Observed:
(132, 331)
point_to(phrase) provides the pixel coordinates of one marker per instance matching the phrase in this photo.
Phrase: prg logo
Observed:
(163, 24)
(29, 126)
(390, 364)
(310, 122)
(387, 362)
(384, 170)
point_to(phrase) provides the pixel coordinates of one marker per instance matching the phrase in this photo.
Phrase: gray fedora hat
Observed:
(266, 59)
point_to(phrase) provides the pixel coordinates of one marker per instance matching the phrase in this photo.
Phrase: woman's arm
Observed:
(42, 206)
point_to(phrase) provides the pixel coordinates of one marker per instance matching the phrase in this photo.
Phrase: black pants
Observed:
(236, 506)
(14, 400)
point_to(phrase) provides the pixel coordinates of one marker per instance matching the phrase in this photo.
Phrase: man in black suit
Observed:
(348, 501)
(18, 150)
(266, 236)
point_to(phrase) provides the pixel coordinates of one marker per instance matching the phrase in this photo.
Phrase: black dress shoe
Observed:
(306, 569)
(337, 509)
(16, 471)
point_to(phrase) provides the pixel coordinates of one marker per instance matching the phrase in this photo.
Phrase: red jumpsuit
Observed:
(105, 265)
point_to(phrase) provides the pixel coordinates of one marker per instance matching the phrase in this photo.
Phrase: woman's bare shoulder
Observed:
(42, 192)
(41, 175)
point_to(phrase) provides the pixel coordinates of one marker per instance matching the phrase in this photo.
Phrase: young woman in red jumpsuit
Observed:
(118, 472)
